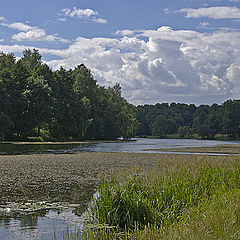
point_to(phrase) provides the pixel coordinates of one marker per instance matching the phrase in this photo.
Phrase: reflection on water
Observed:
(138, 145)
(30, 227)
(17, 149)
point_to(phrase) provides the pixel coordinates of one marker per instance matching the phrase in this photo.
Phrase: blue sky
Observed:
(159, 51)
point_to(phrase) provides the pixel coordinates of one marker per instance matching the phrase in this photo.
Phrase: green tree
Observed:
(201, 121)
(183, 131)
(231, 118)
(31, 59)
(163, 126)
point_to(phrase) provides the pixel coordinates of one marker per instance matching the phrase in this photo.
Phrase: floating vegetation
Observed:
(30, 207)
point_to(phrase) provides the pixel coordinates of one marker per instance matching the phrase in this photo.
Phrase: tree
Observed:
(6, 126)
(31, 58)
(163, 126)
(40, 104)
(215, 120)
(67, 104)
(183, 131)
(231, 118)
(201, 121)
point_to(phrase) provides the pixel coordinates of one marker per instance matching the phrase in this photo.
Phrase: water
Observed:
(139, 145)
(30, 227)
(146, 145)
(43, 225)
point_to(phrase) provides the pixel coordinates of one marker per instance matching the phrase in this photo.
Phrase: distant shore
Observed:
(58, 142)
(223, 149)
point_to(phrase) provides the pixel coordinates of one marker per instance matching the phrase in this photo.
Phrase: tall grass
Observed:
(150, 205)
(185, 197)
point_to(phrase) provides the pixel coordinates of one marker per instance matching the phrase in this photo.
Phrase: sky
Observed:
(184, 51)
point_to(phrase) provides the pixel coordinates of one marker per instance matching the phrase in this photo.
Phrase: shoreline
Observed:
(75, 177)
(63, 143)
(231, 149)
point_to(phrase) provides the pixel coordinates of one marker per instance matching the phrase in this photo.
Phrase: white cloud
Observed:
(169, 65)
(87, 14)
(18, 26)
(99, 20)
(31, 33)
(211, 12)
(79, 13)
(62, 19)
(204, 24)
(233, 73)
(2, 18)
(125, 32)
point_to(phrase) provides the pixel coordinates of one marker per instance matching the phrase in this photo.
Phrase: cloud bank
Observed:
(161, 65)
(211, 12)
(31, 33)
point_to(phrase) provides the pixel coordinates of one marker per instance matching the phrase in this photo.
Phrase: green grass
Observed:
(183, 197)
(201, 203)
(160, 201)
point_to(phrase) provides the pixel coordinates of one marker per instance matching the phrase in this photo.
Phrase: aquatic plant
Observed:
(158, 202)
(30, 207)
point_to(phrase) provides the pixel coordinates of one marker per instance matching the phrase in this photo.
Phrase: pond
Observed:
(45, 220)
(37, 226)
(137, 145)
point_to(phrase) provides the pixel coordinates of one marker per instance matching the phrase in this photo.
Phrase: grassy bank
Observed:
(220, 137)
(222, 149)
(191, 198)
(156, 196)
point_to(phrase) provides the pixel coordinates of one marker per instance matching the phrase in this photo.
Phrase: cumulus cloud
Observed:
(211, 12)
(233, 73)
(204, 25)
(87, 14)
(79, 13)
(31, 33)
(18, 26)
(125, 32)
(159, 65)
(2, 18)
(37, 34)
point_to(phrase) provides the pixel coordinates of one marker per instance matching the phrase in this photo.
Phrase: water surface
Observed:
(138, 145)
(43, 225)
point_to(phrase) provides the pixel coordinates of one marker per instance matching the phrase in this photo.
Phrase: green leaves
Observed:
(143, 200)
(65, 104)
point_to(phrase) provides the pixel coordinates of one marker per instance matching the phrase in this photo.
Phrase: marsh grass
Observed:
(183, 201)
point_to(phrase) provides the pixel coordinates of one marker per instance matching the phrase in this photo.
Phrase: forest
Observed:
(69, 105)
(187, 119)
(59, 105)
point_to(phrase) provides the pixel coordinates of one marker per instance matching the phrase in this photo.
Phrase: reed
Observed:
(182, 197)
(153, 206)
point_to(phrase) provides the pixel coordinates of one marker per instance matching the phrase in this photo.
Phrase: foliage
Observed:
(162, 202)
(176, 205)
(206, 121)
(183, 131)
(64, 104)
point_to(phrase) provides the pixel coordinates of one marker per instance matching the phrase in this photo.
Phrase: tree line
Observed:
(61, 105)
(188, 119)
